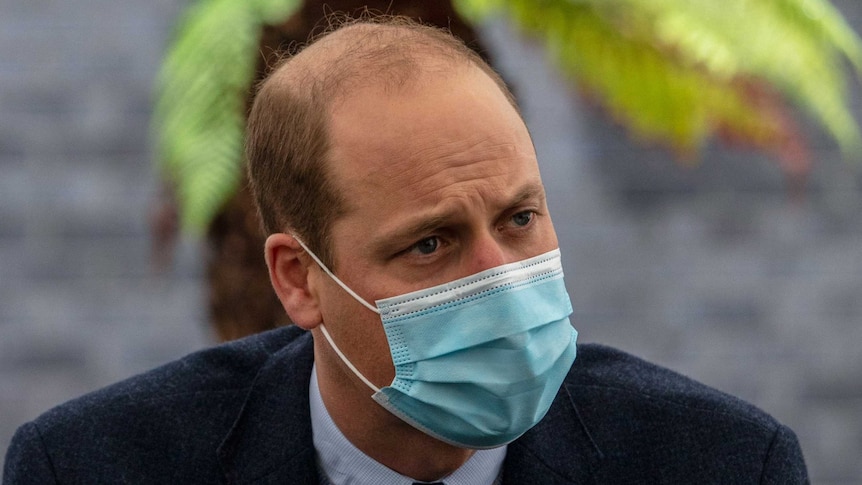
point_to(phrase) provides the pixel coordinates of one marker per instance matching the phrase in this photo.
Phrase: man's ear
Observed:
(288, 272)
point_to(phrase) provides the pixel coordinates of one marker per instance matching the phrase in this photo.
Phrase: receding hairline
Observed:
(363, 52)
(288, 143)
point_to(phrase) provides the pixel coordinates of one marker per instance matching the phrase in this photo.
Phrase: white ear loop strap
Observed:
(345, 360)
(335, 278)
(323, 327)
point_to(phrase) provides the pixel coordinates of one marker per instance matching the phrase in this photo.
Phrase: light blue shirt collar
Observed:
(345, 464)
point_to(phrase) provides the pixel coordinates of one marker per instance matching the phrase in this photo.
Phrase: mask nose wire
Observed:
(323, 327)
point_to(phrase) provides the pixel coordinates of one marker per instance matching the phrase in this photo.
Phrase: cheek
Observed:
(542, 240)
(359, 334)
(549, 235)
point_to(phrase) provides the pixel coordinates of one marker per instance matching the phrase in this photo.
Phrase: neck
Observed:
(378, 433)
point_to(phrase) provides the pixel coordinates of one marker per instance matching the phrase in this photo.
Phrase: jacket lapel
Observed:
(559, 450)
(271, 440)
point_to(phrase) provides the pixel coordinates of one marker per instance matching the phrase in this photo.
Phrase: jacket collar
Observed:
(271, 440)
(559, 450)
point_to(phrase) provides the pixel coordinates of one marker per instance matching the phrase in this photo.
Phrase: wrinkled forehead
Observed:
(427, 138)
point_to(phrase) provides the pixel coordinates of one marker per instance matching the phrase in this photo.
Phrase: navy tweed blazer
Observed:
(239, 414)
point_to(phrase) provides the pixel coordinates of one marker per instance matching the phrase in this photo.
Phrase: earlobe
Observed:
(288, 273)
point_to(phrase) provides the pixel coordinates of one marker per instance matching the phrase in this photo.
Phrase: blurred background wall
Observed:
(715, 271)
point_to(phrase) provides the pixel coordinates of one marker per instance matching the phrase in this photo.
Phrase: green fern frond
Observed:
(781, 41)
(674, 71)
(202, 88)
(671, 69)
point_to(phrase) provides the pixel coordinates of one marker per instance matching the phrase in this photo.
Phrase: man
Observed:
(411, 244)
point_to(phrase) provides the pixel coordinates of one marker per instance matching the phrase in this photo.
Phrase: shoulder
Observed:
(227, 369)
(600, 372)
(661, 422)
(175, 413)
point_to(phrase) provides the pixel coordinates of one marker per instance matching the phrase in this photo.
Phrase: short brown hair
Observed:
(287, 139)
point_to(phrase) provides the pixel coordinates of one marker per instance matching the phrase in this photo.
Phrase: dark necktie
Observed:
(426, 483)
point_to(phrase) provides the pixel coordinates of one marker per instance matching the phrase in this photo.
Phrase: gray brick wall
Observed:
(713, 271)
(80, 305)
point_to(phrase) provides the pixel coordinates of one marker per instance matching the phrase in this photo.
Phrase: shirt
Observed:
(342, 463)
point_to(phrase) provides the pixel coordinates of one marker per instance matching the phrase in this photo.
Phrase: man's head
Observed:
(413, 168)
(289, 142)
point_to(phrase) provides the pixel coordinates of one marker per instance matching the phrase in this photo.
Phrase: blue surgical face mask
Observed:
(478, 360)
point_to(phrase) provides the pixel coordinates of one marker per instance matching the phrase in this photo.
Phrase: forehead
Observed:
(456, 122)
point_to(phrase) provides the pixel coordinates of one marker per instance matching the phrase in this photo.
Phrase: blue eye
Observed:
(522, 218)
(427, 245)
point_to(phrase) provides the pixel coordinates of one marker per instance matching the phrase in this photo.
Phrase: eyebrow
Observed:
(392, 241)
(532, 190)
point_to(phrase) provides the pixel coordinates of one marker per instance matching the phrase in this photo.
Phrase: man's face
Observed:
(441, 182)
